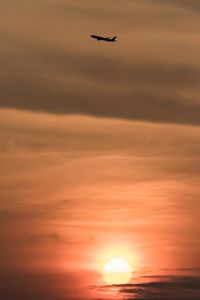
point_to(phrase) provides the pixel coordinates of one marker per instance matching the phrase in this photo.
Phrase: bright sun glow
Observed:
(117, 271)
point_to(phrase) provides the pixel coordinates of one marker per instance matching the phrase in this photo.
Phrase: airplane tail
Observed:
(114, 38)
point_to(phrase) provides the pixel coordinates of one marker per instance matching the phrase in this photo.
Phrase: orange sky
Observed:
(71, 185)
(99, 143)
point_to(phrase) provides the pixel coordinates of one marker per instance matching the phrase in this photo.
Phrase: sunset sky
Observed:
(99, 147)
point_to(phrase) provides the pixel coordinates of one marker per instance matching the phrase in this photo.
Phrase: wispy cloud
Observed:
(158, 287)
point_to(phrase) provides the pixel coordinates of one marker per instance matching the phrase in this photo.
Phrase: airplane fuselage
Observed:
(101, 38)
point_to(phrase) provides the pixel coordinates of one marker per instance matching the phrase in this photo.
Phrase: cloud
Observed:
(144, 91)
(172, 288)
(176, 287)
(193, 4)
(151, 74)
(138, 182)
(48, 237)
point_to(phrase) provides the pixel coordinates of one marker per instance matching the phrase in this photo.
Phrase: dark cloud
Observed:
(103, 87)
(160, 287)
(66, 73)
(189, 4)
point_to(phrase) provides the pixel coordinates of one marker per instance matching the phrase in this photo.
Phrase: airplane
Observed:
(101, 38)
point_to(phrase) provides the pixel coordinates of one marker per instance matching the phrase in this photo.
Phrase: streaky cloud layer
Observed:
(151, 74)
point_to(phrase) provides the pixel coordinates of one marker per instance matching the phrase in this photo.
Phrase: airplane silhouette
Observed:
(101, 38)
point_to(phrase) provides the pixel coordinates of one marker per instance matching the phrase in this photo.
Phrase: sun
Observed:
(117, 271)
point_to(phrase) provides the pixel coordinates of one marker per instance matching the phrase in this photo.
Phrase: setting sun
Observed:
(117, 271)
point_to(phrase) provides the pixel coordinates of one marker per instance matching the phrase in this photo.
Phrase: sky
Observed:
(99, 148)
